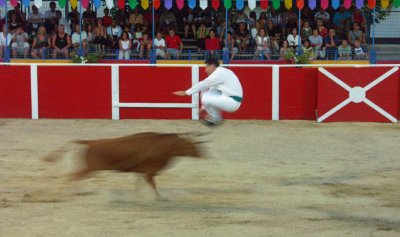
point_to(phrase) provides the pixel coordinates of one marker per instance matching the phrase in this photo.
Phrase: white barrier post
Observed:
(275, 92)
(34, 92)
(195, 97)
(115, 91)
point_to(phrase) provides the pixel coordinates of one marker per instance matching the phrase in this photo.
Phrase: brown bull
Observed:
(146, 153)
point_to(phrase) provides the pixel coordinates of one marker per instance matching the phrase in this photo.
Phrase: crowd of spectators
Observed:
(270, 35)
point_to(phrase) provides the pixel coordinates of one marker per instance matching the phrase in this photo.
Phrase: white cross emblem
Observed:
(357, 94)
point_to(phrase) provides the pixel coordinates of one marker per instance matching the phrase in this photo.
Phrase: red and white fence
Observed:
(324, 93)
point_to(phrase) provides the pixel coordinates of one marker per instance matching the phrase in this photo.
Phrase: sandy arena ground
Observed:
(261, 178)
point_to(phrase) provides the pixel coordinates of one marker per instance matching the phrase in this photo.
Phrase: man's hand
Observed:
(179, 93)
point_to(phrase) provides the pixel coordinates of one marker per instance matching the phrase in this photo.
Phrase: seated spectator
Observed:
(293, 39)
(74, 17)
(106, 19)
(89, 16)
(115, 32)
(174, 45)
(201, 36)
(356, 33)
(344, 51)
(306, 31)
(189, 23)
(316, 42)
(100, 40)
(145, 44)
(251, 21)
(61, 42)
(51, 18)
(159, 45)
(240, 18)
(135, 19)
(254, 32)
(35, 19)
(278, 21)
(242, 37)
(125, 46)
(307, 49)
(221, 29)
(331, 43)
(274, 33)
(322, 15)
(262, 45)
(284, 50)
(360, 19)
(138, 34)
(20, 16)
(359, 53)
(90, 35)
(13, 24)
(5, 41)
(78, 37)
(341, 20)
(291, 20)
(41, 43)
(20, 43)
(230, 45)
(322, 31)
(63, 21)
(212, 43)
(167, 21)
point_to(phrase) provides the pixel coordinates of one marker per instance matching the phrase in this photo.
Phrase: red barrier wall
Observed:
(257, 93)
(74, 92)
(298, 93)
(15, 92)
(154, 85)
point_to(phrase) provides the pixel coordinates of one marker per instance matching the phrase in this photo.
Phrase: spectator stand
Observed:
(189, 52)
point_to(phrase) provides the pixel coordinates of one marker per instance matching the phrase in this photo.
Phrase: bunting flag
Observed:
(180, 4)
(97, 3)
(85, 3)
(215, 4)
(239, 4)
(385, 3)
(251, 4)
(121, 4)
(13, 3)
(2, 3)
(38, 3)
(347, 4)
(335, 4)
(203, 4)
(288, 4)
(73, 3)
(325, 3)
(146, 4)
(109, 4)
(276, 4)
(300, 4)
(312, 4)
(359, 4)
(371, 4)
(156, 4)
(26, 3)
(264, 4)
(168, 4)
(133, 4)
(228, 4)
(192, 4)
(396, 3)
(62, 3)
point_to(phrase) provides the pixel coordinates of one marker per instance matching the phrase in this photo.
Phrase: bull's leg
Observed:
(150, 180)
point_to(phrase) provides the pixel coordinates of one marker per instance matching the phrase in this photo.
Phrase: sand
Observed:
(260, 178)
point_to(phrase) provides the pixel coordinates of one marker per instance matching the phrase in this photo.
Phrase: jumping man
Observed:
(221, 91)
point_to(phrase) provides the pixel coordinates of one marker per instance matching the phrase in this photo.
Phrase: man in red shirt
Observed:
(212, 43)
(106, 18)
(174, 44)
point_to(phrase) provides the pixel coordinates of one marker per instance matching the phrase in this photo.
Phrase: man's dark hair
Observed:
(212, 61)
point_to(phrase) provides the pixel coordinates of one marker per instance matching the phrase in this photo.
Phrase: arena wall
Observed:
(141, 91)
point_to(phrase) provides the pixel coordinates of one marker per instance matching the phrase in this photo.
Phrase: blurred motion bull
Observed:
(146, 153)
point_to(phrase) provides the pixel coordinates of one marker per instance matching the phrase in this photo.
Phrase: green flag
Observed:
(62, 3)
(228, 4)
(132, 4)
(396, 3)
(276, 4)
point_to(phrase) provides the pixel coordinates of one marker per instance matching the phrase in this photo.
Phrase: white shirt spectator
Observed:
(3, 39)
(293, 41)
(75, 38)
(157, 43)
(50, 14)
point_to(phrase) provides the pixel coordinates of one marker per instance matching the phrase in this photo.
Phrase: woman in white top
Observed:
(4, 41)
(293, 38)
(263, 44)
(125, 46)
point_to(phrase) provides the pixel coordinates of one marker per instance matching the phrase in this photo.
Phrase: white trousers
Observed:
(214, 102)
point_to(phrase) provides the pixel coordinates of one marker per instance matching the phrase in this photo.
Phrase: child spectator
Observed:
(125, 46)
(359, 53)
(344, 51)
(307, 49)
(306, 31)
(145, 44)
(20, 43)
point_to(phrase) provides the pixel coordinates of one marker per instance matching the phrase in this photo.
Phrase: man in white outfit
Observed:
(221, 91)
